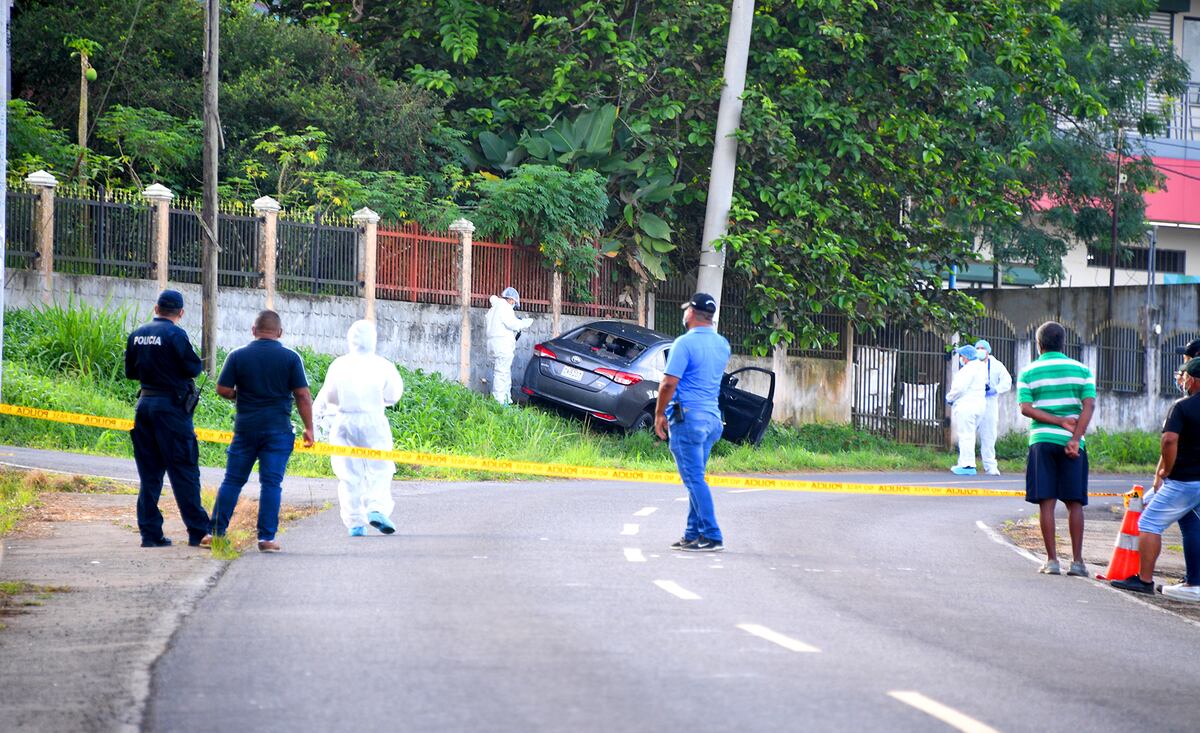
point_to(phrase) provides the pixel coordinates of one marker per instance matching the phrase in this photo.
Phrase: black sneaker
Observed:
(704, 544)
(1135, 584)
(160, 542)
(683, 543)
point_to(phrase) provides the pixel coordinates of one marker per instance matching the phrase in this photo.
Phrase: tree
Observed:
(1066, 187)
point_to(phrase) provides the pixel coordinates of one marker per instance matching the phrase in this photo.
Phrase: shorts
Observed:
(1170, 504)
(1050, 474)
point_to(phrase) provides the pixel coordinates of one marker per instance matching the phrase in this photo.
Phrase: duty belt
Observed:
(148, 392)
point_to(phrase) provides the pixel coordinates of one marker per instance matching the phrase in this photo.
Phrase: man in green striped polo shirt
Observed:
(1059, 395)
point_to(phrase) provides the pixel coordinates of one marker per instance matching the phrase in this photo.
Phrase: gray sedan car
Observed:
(610, 371)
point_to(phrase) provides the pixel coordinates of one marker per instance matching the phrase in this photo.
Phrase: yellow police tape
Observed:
(530, 468)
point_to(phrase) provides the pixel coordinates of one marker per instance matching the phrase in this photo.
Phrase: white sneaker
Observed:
(1182, 592)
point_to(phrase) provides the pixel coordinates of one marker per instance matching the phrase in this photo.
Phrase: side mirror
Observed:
(732, 381)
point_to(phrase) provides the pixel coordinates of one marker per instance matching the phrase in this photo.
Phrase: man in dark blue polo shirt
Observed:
(263, 378)
(160, 356)
(688, 409)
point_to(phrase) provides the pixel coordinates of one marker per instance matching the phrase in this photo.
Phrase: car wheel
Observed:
(644, 421)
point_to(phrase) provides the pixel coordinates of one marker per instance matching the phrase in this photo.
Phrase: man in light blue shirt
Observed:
(688, 410)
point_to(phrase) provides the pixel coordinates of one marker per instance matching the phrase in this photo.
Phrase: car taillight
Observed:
(605, 416)
(543, 352)
(526, 390)
(624, 378)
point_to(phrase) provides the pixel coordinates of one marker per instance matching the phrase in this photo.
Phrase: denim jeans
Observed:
(272, 451)
(691, 441)
(1177, 501)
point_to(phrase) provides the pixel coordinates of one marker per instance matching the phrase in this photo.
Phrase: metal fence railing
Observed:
(900, 385)
(1000, 333)
(238, 261)
(101, 233)
(1170, 362)
(612, 290)
(20, 228)
(1121, 360)
(835, 325)
(415, 265)
(497, 265)
(317, 258)
(185, 241)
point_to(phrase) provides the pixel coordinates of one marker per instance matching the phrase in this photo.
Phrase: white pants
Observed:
(987, 433)
(967, 414)
(365, 486)
(502, 359)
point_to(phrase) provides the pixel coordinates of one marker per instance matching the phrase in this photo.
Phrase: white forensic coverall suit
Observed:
(966, 395)
(502, 328)
(999, 382)
(357, 388)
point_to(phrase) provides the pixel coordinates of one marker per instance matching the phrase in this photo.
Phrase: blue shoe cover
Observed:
(963, 470)
(381, 523)
(358, 531)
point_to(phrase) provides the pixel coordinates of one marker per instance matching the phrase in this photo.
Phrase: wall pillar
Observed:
(268, 237)
(650, 307)
(556, 301)
(159, 197)
(465, 231)
(641, 302)
(368, 252)
(44, 184)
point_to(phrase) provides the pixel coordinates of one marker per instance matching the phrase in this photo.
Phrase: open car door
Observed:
(747, 413)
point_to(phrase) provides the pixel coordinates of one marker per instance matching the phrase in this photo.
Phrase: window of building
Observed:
(1138, 258)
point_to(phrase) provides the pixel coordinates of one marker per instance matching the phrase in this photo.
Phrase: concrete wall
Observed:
(806, 390)
(1176, 310)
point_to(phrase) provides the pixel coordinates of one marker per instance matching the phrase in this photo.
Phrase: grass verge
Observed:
(438, 416)
(242, 533)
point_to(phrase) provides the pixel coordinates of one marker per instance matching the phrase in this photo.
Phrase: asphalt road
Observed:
(550, 606)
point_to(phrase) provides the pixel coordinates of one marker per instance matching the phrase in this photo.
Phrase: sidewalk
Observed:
(78, 649)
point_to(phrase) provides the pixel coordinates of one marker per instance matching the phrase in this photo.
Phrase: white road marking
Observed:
(630, 529)
(633, 554)
(947, 715)
(681, 498)
(775, 637)
(744, 491)
(997, 538)
(676, 590)
(645, 511)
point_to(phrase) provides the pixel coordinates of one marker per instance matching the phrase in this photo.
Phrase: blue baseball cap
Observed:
(171, 300)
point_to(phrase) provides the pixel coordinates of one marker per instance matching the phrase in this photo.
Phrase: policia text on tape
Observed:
(530, 468)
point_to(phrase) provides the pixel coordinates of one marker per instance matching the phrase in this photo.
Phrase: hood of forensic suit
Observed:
(362, 337)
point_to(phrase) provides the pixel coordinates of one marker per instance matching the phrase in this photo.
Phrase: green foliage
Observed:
(75, 339)
(15, 497)
(1064, 183)
(557, 211)
(34, 143)
(154, 143)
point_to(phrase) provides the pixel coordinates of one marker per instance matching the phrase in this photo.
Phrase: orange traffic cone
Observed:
(1125, 559)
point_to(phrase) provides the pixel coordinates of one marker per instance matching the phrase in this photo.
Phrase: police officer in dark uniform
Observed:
(160, 356)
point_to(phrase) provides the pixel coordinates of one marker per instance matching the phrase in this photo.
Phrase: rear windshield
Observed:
(606, 345)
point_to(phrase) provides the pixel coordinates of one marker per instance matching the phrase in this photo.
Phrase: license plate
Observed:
(572, 373)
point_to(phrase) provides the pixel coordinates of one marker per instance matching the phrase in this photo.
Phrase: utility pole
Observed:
(4, 74)
(724, 159)
(212, 147)
(1112, 253)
